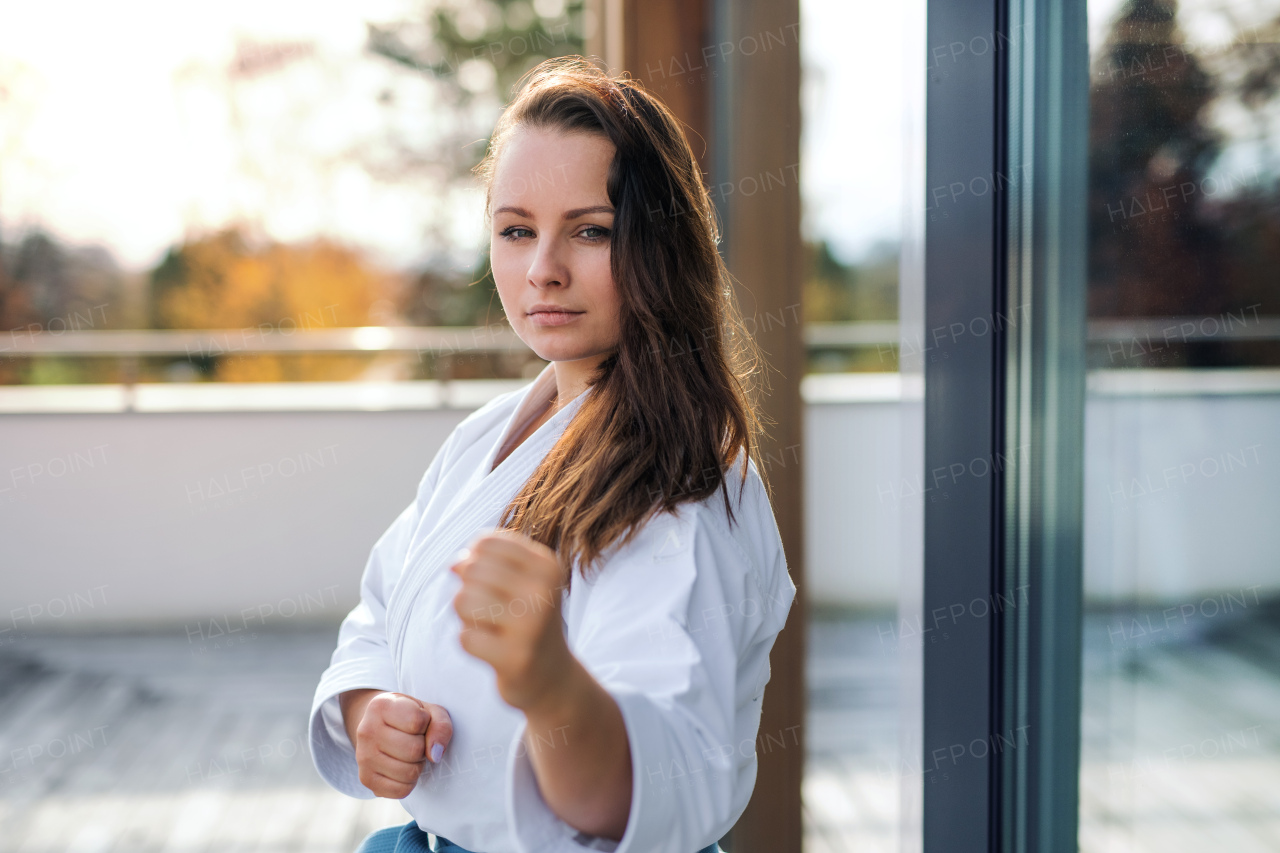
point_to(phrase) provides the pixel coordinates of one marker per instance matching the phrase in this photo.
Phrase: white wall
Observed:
(168, 516)
(853, 499)
(1182, 490)
(1182, 496)
(144, 534)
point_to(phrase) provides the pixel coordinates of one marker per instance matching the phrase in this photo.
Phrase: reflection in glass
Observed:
(1181, 738)
(862, 166)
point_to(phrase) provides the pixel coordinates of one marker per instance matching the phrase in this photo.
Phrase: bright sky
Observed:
(120, 125)
(854, 56)
(121, 131)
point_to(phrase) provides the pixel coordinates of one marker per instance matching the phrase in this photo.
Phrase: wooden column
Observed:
(731, 71)
(760, 194)
(660, 44)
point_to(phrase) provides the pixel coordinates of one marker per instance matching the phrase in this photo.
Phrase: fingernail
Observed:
(436, 752)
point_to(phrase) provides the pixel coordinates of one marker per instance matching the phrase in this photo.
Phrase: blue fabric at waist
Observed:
(410, 839)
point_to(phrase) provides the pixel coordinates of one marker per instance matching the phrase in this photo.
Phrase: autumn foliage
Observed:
(229, 281)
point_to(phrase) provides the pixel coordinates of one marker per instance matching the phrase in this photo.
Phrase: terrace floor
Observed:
(1180, 734)
(152, 742)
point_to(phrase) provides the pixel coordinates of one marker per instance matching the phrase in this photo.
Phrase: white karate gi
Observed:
(677, 627)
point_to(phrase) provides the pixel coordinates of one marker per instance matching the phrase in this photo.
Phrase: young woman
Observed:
(563, 642)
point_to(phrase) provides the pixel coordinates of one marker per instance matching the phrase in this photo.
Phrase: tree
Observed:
(836, 292)
(1151, 254)
(476, 51)
(228, 280)
(481, 48)
(1171, 233)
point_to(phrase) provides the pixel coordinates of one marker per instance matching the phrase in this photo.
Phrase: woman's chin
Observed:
(563, 353)
(551, 347)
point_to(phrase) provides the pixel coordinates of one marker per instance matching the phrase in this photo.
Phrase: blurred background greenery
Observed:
(431, 77)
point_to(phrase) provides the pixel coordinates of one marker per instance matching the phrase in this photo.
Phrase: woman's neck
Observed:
(573, 377)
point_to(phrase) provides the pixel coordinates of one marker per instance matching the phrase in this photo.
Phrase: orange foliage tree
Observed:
(228, 281)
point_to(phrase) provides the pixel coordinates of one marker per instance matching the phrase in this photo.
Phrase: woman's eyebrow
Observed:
(583, 211)
(569, 214)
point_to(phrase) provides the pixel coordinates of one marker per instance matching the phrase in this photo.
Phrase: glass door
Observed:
(1181, 652)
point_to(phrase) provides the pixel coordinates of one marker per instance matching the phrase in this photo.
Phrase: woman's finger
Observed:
(478, 605)
(401, 746)
(439, 731)
(389, 781)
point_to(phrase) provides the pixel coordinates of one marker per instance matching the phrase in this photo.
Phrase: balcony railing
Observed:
(447, 340)
(443, 345)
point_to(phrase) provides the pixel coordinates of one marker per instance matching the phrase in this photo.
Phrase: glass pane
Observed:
(1181, 744)
(863, 421)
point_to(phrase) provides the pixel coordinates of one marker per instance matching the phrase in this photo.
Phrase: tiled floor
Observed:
(1180, 737)
(150, 743)
(851, 783)
(1181, 731)
(157, 743)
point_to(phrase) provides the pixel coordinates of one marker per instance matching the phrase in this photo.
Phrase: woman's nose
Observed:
(547, 266)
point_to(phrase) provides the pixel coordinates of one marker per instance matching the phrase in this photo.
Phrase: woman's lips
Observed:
(554, 318)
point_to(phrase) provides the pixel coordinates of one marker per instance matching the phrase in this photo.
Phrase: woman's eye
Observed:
(594, 233)
(514, 232)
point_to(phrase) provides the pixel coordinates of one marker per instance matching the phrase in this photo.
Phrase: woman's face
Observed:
(552, 222)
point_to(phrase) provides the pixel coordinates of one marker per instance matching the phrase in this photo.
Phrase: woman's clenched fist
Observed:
(394, 735)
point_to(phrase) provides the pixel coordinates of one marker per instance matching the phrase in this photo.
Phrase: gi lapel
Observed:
(481, 508)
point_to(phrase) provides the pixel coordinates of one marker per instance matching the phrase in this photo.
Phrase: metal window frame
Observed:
(1006, 118)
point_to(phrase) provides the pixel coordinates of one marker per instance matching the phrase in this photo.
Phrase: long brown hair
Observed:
(673, 407)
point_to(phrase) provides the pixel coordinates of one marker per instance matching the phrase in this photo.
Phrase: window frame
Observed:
(1006, 121)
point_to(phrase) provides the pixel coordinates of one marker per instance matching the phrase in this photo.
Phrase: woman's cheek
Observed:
(506, 276)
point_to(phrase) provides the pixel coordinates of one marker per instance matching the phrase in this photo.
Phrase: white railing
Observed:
(1126, 338)
(499, 337)
(253, 340)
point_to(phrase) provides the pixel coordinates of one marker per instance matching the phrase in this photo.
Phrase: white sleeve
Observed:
(363, 656)
(677, 628)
